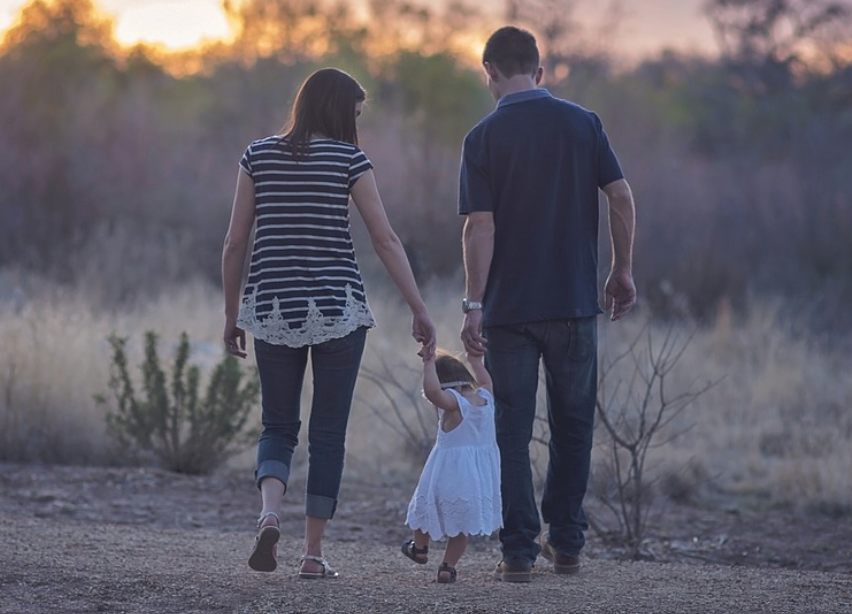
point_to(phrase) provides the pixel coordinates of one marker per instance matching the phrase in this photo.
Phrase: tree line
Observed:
(739, 161)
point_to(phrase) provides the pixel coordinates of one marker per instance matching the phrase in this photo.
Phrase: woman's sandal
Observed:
(264, 555)
(418, 555)
(326, 573)
(446, 574)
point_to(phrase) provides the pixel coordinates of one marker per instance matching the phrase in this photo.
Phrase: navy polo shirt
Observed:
(537, 162)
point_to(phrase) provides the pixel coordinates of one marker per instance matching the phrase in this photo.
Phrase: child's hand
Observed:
(427, 357)
(474, 358)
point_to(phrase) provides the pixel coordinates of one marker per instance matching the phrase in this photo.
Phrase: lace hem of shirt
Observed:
(317, 328)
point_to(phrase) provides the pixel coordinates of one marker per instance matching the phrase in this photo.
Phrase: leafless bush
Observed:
(402, 410)
(637, 412)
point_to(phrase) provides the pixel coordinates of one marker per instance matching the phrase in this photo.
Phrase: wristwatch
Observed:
(468, 306)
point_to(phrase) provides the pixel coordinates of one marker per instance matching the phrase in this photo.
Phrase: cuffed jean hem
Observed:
(519, 549)
(571, 539)
(272, 469)
(317, 506)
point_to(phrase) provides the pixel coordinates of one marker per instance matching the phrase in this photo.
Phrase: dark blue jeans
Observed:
(568, 350)
(335, 367)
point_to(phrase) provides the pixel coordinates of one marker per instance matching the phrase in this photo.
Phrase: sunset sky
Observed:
(646, 27)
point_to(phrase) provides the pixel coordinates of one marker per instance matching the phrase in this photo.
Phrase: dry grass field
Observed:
(773, 431)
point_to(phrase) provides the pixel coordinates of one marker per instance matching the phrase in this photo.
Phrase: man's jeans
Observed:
(335, 367)
(568, 349)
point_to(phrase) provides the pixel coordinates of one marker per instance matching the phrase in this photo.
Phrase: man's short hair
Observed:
(512, 51)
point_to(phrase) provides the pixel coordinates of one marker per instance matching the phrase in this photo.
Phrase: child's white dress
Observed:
(459, 488)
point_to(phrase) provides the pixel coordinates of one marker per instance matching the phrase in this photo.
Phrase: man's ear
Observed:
(539, 74)
(491, 71)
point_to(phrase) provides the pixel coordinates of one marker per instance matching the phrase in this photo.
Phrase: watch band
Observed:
(468, 305)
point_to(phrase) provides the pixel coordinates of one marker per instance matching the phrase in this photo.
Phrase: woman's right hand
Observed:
(423, 331)
(234, 338)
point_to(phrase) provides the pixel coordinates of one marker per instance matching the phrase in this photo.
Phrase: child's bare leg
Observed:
(455, 549)
(452, 553)
(421, 539)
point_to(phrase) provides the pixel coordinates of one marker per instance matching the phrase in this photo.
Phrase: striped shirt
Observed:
(304, 285)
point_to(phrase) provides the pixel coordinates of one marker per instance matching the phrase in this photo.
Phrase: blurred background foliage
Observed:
(111, 157)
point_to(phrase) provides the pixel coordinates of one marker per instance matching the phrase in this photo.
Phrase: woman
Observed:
(304, 296)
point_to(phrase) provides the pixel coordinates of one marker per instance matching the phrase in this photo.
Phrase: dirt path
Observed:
(78, 540)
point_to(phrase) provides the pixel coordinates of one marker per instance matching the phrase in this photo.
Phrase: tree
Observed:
(77, 22)
(766, 43)
(58, 74)
(568, 48)
(294, 31)
(436, 100)
(409, 27)
(761, 30)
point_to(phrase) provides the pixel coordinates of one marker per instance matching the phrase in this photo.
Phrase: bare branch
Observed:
(398, 386)
(634, 417)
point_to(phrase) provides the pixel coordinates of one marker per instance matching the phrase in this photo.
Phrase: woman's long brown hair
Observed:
(325, 105)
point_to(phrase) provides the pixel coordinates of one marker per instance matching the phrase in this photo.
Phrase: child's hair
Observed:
(452, 372)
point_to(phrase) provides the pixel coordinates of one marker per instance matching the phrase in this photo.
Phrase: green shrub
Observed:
(168, 420)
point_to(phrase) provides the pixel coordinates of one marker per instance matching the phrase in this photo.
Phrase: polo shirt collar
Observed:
(517, 97)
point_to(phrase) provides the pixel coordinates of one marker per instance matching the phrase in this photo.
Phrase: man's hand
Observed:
(471, 333)
(619, 294)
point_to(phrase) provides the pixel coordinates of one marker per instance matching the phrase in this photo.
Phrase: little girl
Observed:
(459, 489)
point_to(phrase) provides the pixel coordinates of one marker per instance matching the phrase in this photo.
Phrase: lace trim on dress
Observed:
(316, 328)
(480, 516)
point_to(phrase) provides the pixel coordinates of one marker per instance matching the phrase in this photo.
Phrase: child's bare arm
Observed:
(483, 377)
(432, 388)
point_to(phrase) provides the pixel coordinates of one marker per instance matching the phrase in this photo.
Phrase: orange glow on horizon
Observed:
(186, 24)
(184, 27)
(167, 25)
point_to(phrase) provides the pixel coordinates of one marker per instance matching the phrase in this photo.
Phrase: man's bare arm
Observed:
(478, 245)
(620, 290)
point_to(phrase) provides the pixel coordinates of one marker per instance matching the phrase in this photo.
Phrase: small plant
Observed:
(635, 413)
(168, 419)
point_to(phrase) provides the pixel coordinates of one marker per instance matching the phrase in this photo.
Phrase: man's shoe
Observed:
(513, 573)
(562, 564)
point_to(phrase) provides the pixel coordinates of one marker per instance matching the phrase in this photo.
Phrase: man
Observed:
(530, 176)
